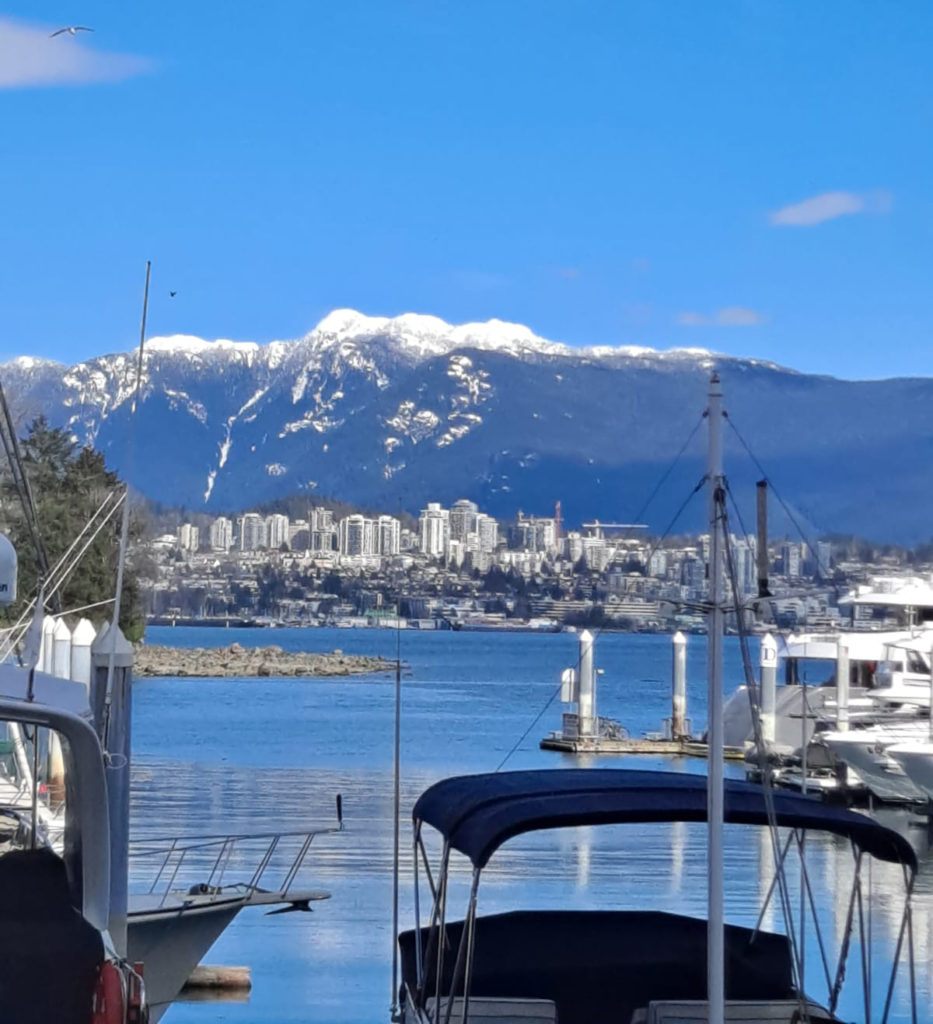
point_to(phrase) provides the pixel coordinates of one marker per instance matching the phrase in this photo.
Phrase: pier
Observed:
(584, 732)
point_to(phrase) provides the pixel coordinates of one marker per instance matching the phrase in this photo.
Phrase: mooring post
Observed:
(679, 687)
(586, 700)
(842, 688)
(768, 684)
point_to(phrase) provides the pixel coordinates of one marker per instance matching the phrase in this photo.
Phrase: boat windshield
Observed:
(32, 787)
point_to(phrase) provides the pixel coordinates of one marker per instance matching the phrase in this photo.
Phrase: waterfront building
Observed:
(745, 558)
(657, 565)
(299, 535)
(434, 530)
(323, 529)
(189, 537)
(463, 516)
(573, 546)
(791, 560)
(356, 535)
(276, 531)
(221, 534)
(388, 536)
(252, 532)
(487, 529)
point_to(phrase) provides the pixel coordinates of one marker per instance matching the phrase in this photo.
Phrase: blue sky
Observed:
(751, 177)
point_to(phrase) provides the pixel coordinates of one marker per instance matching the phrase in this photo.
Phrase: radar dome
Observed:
(7, 571)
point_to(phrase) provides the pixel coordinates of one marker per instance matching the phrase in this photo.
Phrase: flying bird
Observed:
(71, 30)
(172, 295)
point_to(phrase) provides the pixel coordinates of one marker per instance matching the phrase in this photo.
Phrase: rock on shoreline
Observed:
(238, 661)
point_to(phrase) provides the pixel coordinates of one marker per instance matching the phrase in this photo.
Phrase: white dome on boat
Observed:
(8, 565)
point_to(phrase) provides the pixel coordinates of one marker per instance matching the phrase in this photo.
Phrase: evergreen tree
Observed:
(68, 485)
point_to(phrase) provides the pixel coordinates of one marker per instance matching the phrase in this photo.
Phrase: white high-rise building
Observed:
(463, 516)
(252, 529)
(434, 528)
(388, 535)
(488, 530)
(323, 530)
(356, 536)
(189, 537)
(276, 531)
(221, 534)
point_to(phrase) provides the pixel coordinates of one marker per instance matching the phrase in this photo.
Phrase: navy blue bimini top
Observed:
(478, 813)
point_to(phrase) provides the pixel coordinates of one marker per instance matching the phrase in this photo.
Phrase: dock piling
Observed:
(842, 688)
(679, 687)
(586, 700)
(768, 686)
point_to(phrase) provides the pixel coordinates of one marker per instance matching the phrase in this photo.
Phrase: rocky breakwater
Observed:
(239, 661)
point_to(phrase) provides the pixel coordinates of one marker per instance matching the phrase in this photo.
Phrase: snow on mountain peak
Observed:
(189, 344)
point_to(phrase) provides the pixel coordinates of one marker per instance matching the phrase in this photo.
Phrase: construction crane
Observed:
(598, 527)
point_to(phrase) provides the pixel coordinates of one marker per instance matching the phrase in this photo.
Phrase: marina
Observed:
(234, 758)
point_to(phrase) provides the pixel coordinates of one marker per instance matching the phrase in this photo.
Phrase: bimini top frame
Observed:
(476, 814)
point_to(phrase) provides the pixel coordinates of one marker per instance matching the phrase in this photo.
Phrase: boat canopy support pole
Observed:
(905, 929)
(471, 923)
(460, 965)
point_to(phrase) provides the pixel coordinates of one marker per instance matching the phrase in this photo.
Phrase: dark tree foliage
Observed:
(68, 485)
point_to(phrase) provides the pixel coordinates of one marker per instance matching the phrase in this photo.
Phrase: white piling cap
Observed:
(8, 566)
(84, 633)
(586, 637)
(678, 639)
(61, 630)
(122, 648)
(48, 626)
(768, 650)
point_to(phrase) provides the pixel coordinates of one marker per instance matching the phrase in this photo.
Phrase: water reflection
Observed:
(262, 755)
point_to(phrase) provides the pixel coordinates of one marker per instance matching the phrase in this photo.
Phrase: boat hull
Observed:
(917, 761)
(866, 754)
(171, 941)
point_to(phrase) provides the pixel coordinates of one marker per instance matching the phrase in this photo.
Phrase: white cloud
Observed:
(29, 58)
(829, 205)
(728, 316)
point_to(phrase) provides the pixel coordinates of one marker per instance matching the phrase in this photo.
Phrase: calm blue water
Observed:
(217, 756)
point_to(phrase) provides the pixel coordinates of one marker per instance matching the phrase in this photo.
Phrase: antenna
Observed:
(125, 521)
(396, 804)
(715, 963)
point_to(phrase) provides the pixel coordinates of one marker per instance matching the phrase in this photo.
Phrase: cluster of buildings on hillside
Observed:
(462, 537)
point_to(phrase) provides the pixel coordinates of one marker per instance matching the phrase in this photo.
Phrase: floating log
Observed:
(205, 976)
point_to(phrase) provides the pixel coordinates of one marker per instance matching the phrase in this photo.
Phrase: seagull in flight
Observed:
(172, 295)
(72, 30)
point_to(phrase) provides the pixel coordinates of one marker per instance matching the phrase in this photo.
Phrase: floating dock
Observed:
(682, 747)
(583, 731)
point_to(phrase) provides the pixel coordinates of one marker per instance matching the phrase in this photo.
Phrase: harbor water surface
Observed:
(268, 755)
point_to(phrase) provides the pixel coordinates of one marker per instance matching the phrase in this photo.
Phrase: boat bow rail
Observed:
(476, 814)
(215, 868)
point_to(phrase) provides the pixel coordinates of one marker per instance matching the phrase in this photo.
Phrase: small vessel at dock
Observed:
(582, 966)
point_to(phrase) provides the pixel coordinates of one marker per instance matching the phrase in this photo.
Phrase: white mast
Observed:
(715, 964)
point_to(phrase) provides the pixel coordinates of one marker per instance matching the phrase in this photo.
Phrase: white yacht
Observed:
(916, 759)
(868, 754)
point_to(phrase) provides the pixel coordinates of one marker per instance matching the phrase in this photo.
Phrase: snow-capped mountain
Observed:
(393, 412)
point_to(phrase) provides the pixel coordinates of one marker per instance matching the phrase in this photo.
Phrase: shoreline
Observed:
(236, 662)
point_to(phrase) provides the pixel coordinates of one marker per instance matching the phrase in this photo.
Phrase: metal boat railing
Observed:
(215, 867)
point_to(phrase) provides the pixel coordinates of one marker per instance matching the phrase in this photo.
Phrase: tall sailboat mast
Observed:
(715, 966)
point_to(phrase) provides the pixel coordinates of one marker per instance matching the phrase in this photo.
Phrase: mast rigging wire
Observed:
(787, 509)
(599, 629)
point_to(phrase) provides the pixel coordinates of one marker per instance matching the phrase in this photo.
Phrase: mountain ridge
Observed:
(396, 411)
